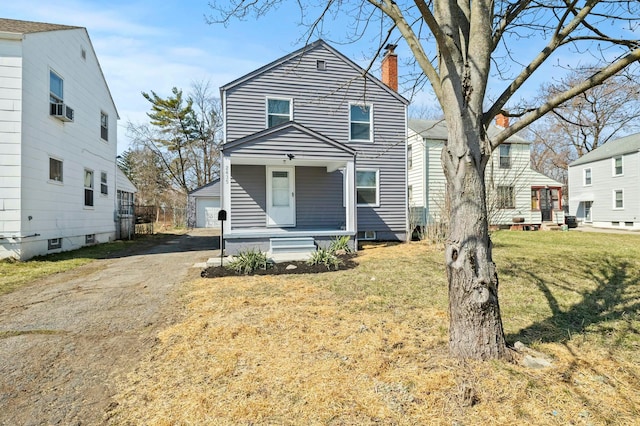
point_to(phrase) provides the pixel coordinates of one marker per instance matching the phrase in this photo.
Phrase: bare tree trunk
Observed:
(475, 325)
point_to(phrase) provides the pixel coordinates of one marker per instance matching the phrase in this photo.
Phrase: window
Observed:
(367, 187)
(409, 157)
(278, 111)
(55, 170)
(617, 166)
(534, 199)
(88, 188)
(367, 235)
(104, 126)
(506, 199)
(360, 123)
(505, 156)
(90, 238)
(555, 199)
(587, 177)
(618, 199)
(104, 188)
(56, 92)
(321, 65)
(54, 243)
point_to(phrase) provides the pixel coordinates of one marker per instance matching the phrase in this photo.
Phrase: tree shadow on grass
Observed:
(615, 297)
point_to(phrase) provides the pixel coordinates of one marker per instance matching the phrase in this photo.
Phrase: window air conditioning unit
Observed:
(62, 112)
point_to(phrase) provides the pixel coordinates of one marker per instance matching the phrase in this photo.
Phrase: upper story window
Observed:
(587, 177)
(104, 188)
(278, 111)
(409, 157)
(505, 156)
(55, 170)
(617, 166)
(104, 126)
(88, 188)
(360, 122)
(367, 187)
(56, 88)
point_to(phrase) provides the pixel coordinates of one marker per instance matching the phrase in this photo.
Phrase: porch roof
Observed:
(288, 142)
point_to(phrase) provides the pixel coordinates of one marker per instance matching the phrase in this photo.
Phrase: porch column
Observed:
(350, 192)
(225, 176)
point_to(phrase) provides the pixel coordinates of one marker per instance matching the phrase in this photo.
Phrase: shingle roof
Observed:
(437, 129)
(25, 27)
(610, 149)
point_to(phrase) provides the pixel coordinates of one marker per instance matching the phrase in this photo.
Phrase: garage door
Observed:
(207, 212)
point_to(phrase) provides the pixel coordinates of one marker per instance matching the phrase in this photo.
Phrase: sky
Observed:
(145, 45)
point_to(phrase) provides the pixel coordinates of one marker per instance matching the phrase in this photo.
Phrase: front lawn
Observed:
(369, 345)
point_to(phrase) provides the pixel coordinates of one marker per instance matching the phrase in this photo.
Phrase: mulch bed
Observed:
(301, 267)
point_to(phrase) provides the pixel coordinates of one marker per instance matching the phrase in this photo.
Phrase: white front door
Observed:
(281, 206)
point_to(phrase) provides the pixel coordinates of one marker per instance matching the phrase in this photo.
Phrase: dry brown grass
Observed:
(367, 346)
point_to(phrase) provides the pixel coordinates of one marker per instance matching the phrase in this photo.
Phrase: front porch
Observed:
(287, 182)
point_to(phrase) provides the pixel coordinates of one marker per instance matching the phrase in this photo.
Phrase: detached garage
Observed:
(204, 205)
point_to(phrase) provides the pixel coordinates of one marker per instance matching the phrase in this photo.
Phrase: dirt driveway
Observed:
(64, 339)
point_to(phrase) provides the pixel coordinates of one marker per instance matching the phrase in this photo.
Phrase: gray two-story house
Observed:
(315, 148)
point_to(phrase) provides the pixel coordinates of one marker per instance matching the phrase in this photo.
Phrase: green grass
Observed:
(14, 274)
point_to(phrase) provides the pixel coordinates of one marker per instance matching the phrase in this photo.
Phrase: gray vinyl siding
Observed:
(321, 102)
(320, 200)
(248, 190)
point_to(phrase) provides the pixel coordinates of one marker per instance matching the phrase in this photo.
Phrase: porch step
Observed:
(550, 226)
(292, 245)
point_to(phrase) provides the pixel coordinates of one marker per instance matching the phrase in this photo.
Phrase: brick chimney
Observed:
(502, 121)
(390, 67)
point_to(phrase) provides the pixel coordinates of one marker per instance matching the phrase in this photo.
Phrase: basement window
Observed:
(54, 243)
(367, 235)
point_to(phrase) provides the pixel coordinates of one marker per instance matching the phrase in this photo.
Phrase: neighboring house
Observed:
(514, 190)
(315, 147)
(203, 206)
(57, 141)
(604, 185)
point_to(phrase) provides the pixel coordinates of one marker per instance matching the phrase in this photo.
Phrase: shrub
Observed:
(325, 257)
(248, 261)
(340, 244)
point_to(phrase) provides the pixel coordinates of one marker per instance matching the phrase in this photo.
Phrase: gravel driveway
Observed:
(68, 336)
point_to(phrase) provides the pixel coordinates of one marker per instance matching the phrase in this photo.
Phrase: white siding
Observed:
(53, 209)
(10, 136)
(601, 192)
(431, 195)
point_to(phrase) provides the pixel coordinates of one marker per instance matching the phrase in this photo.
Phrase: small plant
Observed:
(325, 257)
(340, 244)
(246, 262)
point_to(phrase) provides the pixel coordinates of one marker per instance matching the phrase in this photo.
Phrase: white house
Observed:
(514, 189)
(57, 141)
(604, 185)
